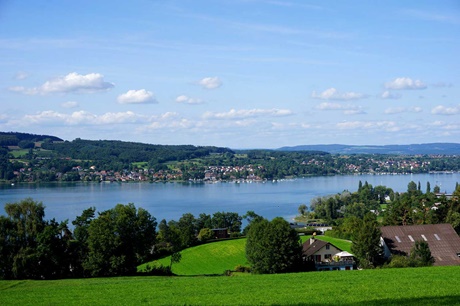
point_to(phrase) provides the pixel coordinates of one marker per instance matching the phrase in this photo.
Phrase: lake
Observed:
(171, 200)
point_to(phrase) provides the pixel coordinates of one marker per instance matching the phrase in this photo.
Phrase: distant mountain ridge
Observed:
(411, 149)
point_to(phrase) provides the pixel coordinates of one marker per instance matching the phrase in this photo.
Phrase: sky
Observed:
(232, 73)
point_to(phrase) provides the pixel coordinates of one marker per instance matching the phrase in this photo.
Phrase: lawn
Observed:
(410, 286)
(210, 258)
(216, 257)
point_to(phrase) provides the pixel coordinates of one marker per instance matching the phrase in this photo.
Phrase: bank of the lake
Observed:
(171, 200)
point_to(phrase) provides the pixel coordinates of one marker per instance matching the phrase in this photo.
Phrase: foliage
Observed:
(119, 239)
(30, 246)
(205, 234)
(420, 254)
(423, 286)
(273, 247)
(366, 244)
(175, 258)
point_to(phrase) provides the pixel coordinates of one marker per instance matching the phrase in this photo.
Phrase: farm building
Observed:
(442, 239)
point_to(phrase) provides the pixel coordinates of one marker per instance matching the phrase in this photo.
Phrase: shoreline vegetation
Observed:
(40, 158)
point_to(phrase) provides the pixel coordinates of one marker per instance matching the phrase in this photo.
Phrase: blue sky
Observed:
(233, 73)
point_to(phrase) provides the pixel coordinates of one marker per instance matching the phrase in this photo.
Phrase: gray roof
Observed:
(442, 239)
(309, 248)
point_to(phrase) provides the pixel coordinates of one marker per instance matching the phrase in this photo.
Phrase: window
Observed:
(437, 237)
(397, 239)
(328, 246)
(328, 256)
(411, 239)
(424, 238)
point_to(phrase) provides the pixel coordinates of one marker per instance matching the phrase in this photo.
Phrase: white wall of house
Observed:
(325, 251)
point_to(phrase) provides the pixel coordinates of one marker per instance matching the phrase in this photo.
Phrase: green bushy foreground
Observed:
(409, 286)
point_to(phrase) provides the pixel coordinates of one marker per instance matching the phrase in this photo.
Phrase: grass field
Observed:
(210, 258)
(216, 257)
(410, 286)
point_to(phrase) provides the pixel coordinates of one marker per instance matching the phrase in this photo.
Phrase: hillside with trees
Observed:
(42, 158)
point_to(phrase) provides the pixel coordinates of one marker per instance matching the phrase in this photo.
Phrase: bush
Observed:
(399, 261)
(205, 234)
(159, 270)
(240, 268)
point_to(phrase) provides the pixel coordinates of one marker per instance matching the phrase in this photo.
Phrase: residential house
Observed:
(442, 239)
(220, 233)
(325, 256)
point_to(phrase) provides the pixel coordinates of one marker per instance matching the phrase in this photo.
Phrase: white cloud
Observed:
(70, 104)
(140, 96)
(389, 95)
(210, 82)
(405, 83)
(389, 126)
(398, 110)
(21, 75)
(354, 112)
(187, 100)
(71, 83)
(347, 108)
(247, 113)
(444, 110)
(333, 94)
(83, 117)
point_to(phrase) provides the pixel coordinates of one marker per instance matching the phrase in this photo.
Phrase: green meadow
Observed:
(208, 259)
(409, 286)
(216, 257)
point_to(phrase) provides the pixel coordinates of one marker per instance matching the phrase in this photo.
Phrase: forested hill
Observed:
(129, 152)
(15, 138)
(411, 149)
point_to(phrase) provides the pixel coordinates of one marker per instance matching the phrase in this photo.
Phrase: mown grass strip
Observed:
(410, 286)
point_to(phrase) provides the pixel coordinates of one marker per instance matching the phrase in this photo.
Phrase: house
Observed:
(325, 256)
(220, 233)
(442, 239)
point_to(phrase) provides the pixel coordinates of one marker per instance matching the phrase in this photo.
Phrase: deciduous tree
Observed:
(273, 247)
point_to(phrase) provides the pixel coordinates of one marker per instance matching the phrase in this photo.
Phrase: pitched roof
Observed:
(311, 246)
(442, 239)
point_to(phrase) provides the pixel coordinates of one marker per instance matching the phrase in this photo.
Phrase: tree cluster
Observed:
(113, 243)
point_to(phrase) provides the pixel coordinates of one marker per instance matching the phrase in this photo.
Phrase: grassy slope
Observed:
(211, 258)
(216, 257)
(416, 286)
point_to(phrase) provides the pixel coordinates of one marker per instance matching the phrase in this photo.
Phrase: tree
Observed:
(230, 220)
(250, 217)
(420, 254)
(31, 247)
(302, 209)
(205, 234)
(366, 244)
(175, 258)
(273, 247)
(119, 239)
(187, 230)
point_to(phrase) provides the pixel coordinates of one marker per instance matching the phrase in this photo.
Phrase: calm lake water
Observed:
(171, 200)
